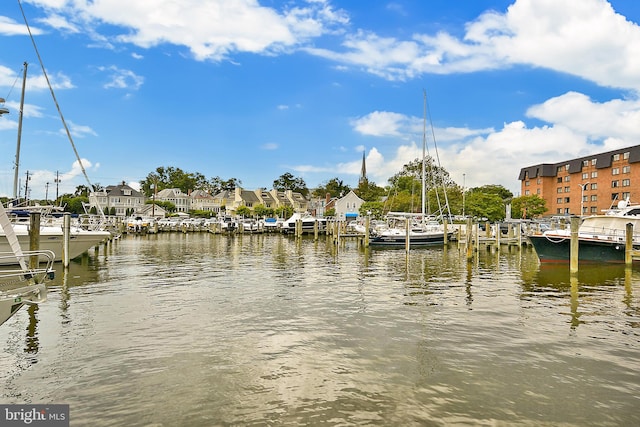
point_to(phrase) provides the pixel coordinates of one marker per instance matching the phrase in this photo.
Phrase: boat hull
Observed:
(558, 250)
(401, 240)
(52, 239)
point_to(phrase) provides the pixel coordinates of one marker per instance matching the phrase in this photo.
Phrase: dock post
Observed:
(628, 249)
(367, 224)
(66, 236)
(469, 239)
(34, 238)
(315, 230)
(575, 245)
(446, 236)
(407, 241)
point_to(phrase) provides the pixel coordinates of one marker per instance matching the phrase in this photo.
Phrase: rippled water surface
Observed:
(204, 330)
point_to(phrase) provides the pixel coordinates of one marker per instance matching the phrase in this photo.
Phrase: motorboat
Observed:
(601, 238)
(308, 222)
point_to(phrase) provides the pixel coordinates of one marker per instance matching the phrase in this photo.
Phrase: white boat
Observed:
(52, 239)
(21, 285)
(308, 222)
(601, 238)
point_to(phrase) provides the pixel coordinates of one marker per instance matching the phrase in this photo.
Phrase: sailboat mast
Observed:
(17, 164)
(424, 156)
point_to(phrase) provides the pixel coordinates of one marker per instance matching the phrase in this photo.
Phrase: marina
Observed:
(267, 329)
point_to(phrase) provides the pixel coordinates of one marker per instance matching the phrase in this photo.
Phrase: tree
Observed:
(171, 177)
(243, 211)
(263, 212)
(289, 182)
(369, 191)
(375, 209)
(335, 187)
(528, 206)
(485, 205)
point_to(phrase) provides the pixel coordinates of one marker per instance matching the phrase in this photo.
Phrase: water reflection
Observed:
(254, 330)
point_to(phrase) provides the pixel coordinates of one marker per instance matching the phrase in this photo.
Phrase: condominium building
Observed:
(585, 185)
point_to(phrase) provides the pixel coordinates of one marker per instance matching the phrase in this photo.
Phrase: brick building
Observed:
(585, 185)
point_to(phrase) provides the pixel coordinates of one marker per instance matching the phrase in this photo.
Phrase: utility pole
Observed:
(46, 192)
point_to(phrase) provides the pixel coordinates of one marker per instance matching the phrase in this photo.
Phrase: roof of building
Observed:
(603, 160)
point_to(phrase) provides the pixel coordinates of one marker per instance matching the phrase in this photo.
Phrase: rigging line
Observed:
(55, 101)
(435, 144)
(15, 82)
(433, 171)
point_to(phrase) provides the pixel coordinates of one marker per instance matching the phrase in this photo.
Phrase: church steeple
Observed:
(363, 172)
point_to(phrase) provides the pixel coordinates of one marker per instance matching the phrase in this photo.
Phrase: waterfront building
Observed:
(202, 200)
(348, 206)
(120, 199)
(181, 200)
(585, 185)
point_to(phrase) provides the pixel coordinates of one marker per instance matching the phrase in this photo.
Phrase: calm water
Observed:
(203, 330)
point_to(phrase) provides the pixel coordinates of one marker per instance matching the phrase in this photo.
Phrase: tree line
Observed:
(402, 193)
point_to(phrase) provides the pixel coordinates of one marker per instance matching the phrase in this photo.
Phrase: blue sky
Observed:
(253, 89)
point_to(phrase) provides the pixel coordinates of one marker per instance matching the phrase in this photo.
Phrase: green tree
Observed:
(375, 209)
(289, 182)
(172, 177)
(530, 206)
(243, 211)
(335, 187)
(485, 205)
(263, 212)
(369, 191)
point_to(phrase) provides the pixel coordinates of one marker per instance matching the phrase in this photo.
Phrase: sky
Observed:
(254, 89)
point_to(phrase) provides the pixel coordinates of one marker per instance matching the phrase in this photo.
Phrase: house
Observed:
(348, 206)
(121, 199)
(585, 185)
(181, 200)
(201, 200)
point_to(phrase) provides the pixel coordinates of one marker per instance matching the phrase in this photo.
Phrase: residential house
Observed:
(181, 200)
(348, 206)
(122, 199)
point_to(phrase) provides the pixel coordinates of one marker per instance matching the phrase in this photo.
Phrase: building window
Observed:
(585, 198)
(626, 195)
(594, 174)
(616, 157)
(594, 186)
(538, 181)
(558, 170)
(538, 191)
(594, 209)
(526, 192)
(614, 196)
(585, 163)
(615, 171)
(559, 179)
(626, 182)
(626, 155)
(526, 183)
(567, 200)
(626, 169)
(567, 178)
(594, 198)
(559, 211)
(566, 167)
(567, 211)
(593, 162)
(559, 200)
(585, 175)
(559, 190)
(567, 189)
(614, 184)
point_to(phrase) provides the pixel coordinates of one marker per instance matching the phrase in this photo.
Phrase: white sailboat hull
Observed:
(52, 239)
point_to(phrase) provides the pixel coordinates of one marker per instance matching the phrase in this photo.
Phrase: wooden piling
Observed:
(628, 249)
(575, 244)
(34, 238)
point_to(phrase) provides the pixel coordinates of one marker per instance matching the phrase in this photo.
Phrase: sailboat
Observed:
(51, 236)
(408, 229)
(26, 284)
